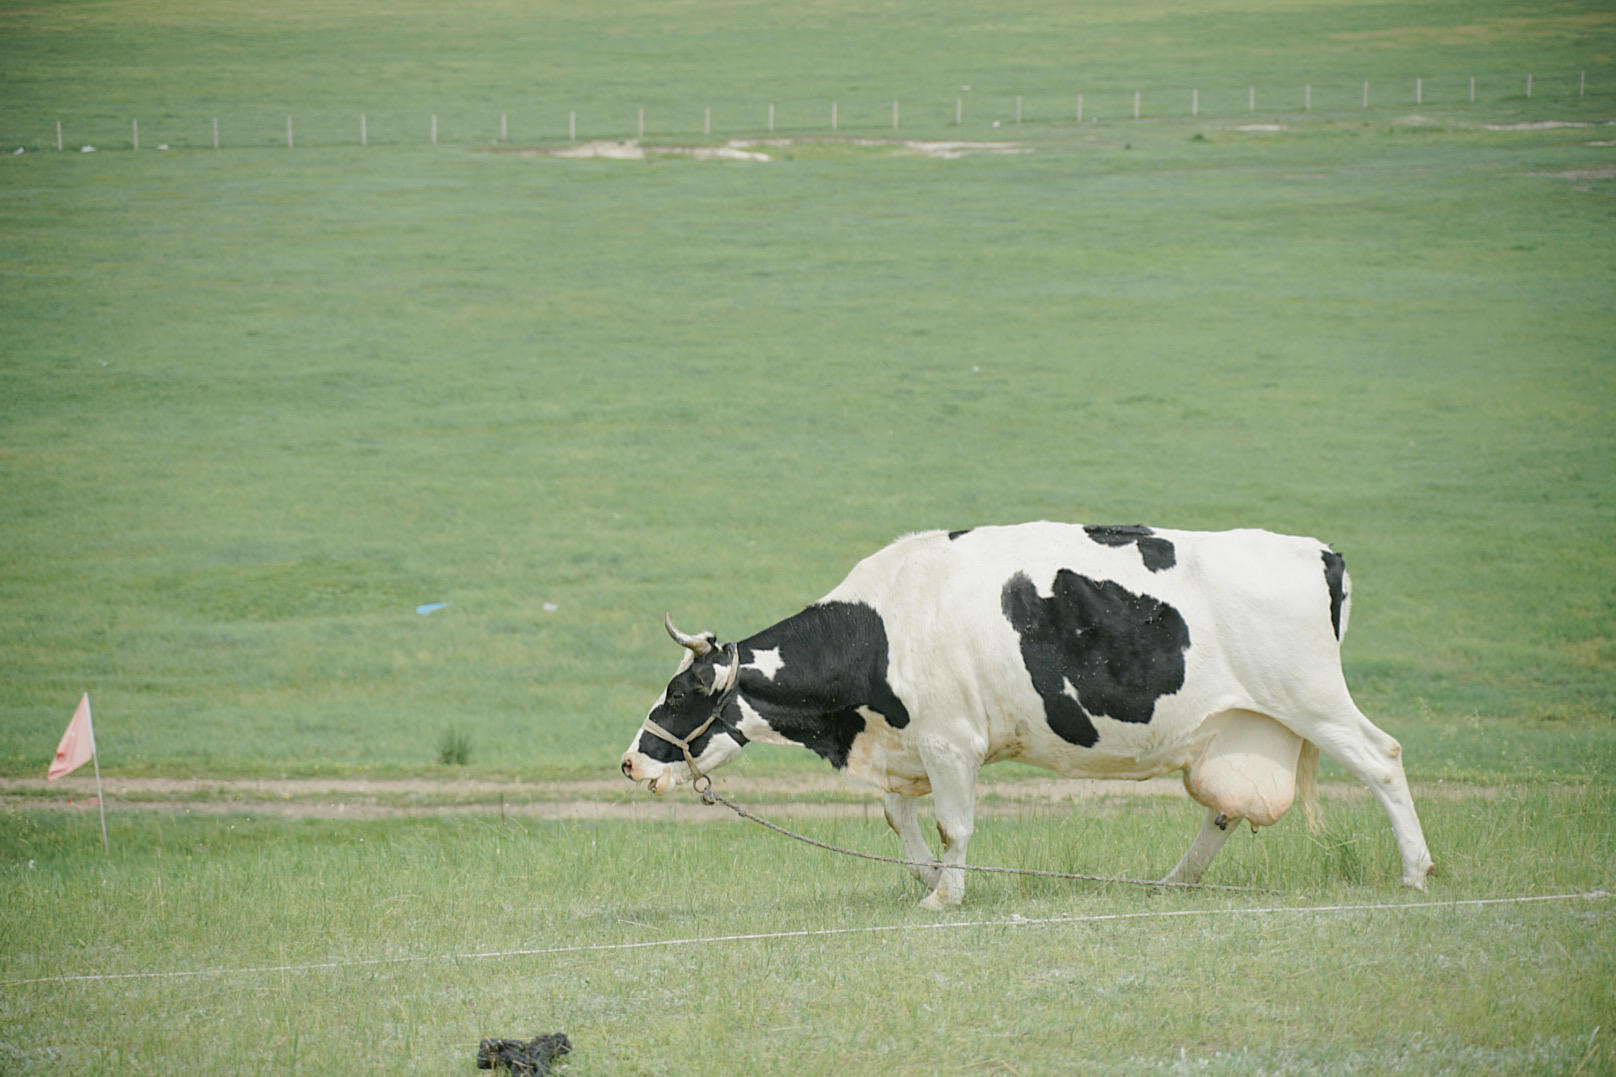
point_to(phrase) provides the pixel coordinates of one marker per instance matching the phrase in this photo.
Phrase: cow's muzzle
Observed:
(658, 783)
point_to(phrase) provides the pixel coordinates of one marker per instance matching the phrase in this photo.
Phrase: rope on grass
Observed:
(951, 925)
(709, 797)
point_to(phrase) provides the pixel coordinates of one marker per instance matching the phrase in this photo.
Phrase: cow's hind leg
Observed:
(1202, 849)
(1376, 759)
(953, 790)
(900, 812)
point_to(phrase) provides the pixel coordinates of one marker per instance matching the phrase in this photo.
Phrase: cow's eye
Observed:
(675, 698)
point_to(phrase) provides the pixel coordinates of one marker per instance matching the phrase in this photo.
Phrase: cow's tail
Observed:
(1307, 784)
(1339, 585)
(1340, 588)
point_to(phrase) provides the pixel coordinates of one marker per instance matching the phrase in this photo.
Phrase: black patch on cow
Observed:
(1156, 552)
(1335, 577)
(952, 535)
(1120, 651)
(833, 661)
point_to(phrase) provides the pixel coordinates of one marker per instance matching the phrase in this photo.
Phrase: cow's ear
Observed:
(707, 675)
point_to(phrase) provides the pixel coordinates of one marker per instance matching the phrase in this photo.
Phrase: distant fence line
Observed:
(1159, 104)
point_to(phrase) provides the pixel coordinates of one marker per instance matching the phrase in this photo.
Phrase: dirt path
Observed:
(605, 798)
(371, 798)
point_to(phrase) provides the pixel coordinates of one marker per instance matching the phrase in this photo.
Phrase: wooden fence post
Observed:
(1472, 89)
(502, 127)
(59, 135)
(1366, 93)
(1419, 91)
(1251, 99)
(959, 111)
(135, 132)
(707, 120)
(833, 123)
(572, 126)
(1529, 85)
(434, 128)
(1136, 104)
(364, 135)
(1195, 102)
(1079, 108)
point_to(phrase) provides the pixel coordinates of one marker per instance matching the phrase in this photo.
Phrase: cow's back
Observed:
(1097, 650)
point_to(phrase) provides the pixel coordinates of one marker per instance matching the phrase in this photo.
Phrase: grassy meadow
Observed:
(261, 946)
(258, 404)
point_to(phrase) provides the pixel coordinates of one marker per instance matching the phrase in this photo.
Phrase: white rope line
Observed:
(950, 925)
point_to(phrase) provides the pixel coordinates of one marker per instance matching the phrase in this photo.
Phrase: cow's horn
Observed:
(700, 644)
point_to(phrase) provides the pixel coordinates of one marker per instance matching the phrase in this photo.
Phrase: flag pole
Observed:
(80, 735)
(100, 799)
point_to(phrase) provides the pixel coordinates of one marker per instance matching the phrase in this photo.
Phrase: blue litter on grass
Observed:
(430, 607)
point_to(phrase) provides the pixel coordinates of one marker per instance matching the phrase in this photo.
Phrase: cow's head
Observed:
(695, 718)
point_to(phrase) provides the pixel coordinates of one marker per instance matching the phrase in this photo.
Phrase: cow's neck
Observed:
(817, 679)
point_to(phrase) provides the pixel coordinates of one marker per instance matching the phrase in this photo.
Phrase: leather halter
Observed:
(684, 743)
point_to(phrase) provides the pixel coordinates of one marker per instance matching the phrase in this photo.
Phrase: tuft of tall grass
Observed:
(454, 747)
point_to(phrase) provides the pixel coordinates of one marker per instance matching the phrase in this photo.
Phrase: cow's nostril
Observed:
(626, 769)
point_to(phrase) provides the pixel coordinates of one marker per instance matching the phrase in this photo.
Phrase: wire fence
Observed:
(1014, 922)
(1586, 94)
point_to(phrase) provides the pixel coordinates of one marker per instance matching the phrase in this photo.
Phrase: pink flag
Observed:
(78, 743)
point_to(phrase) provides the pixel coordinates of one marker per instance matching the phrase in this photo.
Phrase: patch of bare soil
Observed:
(370, 798)
(1534, 125)
(752, 149)
(947, 151)
(1579, 175)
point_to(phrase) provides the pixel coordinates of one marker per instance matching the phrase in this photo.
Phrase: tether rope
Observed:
(709, 797)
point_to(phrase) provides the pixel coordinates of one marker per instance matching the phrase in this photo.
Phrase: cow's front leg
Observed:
(900, 812)
(953, 790)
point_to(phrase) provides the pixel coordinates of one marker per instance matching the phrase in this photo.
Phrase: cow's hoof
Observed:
(936, 901)
(1416, 879)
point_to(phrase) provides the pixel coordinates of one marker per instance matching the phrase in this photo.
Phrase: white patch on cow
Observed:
(767, 663)
(880, 756)
(754, 728)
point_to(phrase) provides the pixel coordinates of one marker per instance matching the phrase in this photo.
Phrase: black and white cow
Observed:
(1097, 652)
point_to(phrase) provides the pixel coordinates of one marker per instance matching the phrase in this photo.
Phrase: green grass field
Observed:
(242, 944)
(257, 404)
